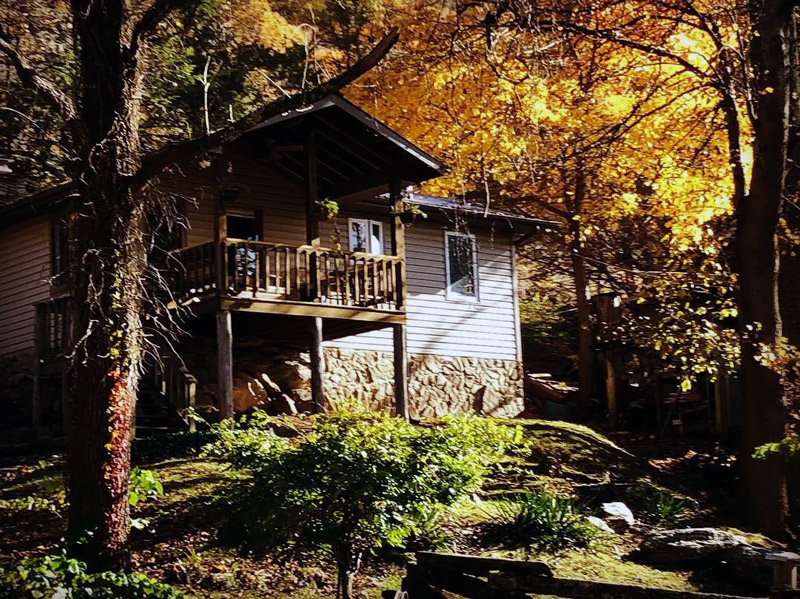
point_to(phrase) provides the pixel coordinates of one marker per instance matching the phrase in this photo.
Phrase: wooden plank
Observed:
(572, 588)
(317, 366)
(273, 306)
(481, 566)
(225, 363)
(400, 358)
(452, 581)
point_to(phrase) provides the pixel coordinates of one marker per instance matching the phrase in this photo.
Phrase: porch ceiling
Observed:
(354, 151)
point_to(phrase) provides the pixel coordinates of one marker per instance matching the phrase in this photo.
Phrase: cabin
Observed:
(306, 272)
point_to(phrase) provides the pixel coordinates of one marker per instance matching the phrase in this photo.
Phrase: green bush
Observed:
(544, 522)
(144, 484)
(58, 577)
(357, 479)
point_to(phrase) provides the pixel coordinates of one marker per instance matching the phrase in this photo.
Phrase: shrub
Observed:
(58, 577)
(544, 522)
(358, 479)
(144, 484)
(668, 510)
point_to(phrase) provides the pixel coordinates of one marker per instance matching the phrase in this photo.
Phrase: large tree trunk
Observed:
(763, 414)
(109, 259)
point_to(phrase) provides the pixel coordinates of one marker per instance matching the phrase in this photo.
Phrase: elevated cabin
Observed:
(421, 319)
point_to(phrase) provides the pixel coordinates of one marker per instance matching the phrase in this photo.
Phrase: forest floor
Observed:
(177, 536)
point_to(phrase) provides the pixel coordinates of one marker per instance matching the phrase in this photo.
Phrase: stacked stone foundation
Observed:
(438, 385)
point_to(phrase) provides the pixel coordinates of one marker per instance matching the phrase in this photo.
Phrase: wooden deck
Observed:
(257, 276)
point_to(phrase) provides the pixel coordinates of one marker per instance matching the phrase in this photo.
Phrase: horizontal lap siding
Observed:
(24, 270)
(486, 329)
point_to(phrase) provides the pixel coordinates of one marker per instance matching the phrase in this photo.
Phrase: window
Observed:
(244, 224)
(58, 246)
(366, 235)
(461, 266)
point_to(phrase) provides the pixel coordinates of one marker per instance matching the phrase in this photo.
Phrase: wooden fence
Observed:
(473, 577)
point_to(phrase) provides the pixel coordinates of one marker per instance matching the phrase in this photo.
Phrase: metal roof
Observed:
(475, 210)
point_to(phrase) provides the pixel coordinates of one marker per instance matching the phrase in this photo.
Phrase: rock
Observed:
(284, 405)
(749, 563)
(248, 393)
(669, 547)
(600, 523)
(618, 516)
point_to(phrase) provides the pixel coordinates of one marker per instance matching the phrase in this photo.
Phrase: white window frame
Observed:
(368, 224)
(451, 295)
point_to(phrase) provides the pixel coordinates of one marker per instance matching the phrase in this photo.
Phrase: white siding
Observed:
(483, 329)
(24, 273)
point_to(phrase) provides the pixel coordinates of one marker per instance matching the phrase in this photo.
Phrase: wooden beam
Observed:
(225, 363)
(220, 228)
(312, 193)
(39, 344)
(400, 371)
(479, 565)
(399, 240)
(317, 366)
(297, 308)
(611, 390)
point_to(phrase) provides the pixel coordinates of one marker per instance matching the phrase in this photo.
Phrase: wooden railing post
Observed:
(398, 244)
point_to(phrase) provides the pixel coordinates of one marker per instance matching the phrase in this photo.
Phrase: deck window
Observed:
(461, 266)
(366, 235)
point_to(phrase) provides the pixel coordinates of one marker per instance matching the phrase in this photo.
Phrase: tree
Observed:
(356, 480)
(606, 140)
(112, 200)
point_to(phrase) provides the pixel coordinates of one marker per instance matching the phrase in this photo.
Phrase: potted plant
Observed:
(328, 208)
(410, 212)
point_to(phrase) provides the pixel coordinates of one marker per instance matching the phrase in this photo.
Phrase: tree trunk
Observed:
(581, 282)
(109, 257)
(347, 563)
(763, 414)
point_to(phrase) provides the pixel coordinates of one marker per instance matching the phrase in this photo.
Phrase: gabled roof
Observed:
(355, 152)
(472, 210)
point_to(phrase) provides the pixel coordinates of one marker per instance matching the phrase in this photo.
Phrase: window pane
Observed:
(376, 242)
(358, 236)
(461, 263)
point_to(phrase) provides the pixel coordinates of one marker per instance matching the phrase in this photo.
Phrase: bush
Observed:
(544, 522)
(58, 577)
(357, 479)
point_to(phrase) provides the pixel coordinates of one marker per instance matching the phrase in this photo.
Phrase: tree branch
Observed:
(151, 19)
(180, 152)
(29, 77)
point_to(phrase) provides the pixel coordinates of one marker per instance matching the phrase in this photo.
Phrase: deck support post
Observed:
(400, 371)
(317, 366)
(225, 363)
(38, 355)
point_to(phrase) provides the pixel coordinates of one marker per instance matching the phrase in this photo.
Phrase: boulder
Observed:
(248, 393)
(600, 523)
(618, 516)
(669, 547)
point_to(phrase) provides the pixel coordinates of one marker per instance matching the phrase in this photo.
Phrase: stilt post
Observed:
(225, 363)
(317, 366)
(400, 371)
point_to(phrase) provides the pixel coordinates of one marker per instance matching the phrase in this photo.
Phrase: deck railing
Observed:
(273, 271)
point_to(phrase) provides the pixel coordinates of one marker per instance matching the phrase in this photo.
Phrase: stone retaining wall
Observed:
(438, 385)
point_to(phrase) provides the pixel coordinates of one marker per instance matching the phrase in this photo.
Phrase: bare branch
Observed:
(29, 77)
(179, 152)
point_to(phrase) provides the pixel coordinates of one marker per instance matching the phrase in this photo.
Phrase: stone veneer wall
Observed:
(438, 385)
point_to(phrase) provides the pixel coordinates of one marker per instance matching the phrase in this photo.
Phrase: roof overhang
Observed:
(354, 151)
